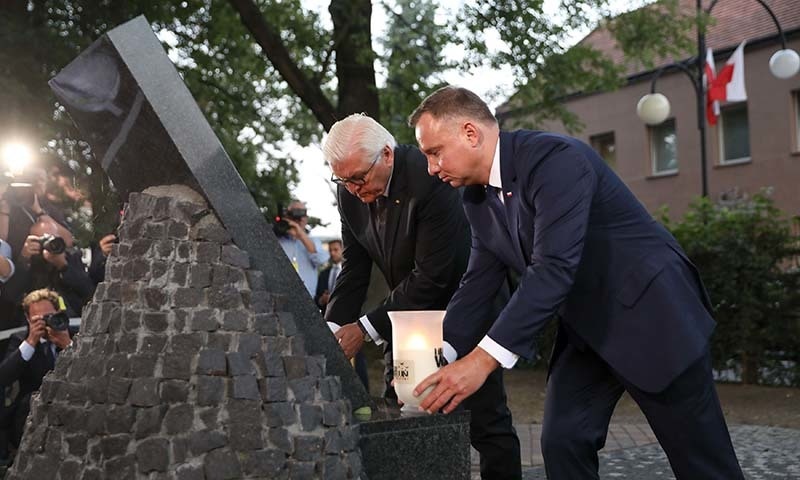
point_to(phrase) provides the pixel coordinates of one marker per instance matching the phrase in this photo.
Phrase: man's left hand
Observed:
(60, 338)
(457, 381)
(351, 339)
(58, 260)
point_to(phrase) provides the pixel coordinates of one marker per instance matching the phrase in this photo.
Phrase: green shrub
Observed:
(747, 254)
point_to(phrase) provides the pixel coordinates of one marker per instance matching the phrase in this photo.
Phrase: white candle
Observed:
(410, 368)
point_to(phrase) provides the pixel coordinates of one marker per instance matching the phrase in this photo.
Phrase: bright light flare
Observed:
(16, 156)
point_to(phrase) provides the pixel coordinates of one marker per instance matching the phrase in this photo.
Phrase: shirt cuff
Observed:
(373, 334)
(334, 327)
(26, 350)
(11, 272)
(449, 352)
(503, 356)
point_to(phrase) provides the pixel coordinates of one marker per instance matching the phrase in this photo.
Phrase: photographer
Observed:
(30, 355)
(305, 253)
(23, 204)
(47, 261)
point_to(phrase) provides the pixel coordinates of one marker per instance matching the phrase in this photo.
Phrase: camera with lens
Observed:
(52, 244)
(57, 321)
(281, 226)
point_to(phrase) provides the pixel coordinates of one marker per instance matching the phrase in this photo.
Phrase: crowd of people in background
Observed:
(44, 282)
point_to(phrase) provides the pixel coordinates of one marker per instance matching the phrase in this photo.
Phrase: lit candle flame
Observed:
(417, 342)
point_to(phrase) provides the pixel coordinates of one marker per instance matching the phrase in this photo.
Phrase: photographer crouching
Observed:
(47, 260)
(30, 355)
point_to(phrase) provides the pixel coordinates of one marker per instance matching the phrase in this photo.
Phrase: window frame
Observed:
(598, 138)
(721, 135)
(654, 172)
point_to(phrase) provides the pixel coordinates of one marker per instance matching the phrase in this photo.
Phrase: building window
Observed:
(605, 145)
(664, 148)
(734, 142)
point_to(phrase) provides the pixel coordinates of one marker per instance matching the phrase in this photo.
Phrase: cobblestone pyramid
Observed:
(186, 368)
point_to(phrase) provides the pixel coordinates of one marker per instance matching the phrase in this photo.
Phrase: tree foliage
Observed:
(269, 74)
(748, 255)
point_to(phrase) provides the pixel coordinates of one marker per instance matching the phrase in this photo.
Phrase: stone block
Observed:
(120, 419)
(239, 364)
(188, 297)
(179, 419)
(245, 387)
(265, 463)
(118, 388)
(249, 344)
(225, 297)
(175, 365)
(274, 389)
(148, 421)
(210, 390)
(144, 392)
(206, 440)
(221, 464)
(211, 362)
(310, 416)
(295, 366)
(236, 320)
(142, 365)
(152, 455)
(245, 436)
(156, 322)
(233, 255)
(280, 414)
(303, 388)
(200, 275)
(280, 438)
(206, 252)
(174, 391)
(307, 447)
(204, 320)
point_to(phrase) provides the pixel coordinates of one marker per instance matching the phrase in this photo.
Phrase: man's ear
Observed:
(471, 133)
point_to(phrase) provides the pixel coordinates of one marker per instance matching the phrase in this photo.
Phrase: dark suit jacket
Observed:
(586, 250)
(422, 255)
(322, 286)
(13, 367)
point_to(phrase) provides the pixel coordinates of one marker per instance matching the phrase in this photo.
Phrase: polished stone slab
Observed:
(145, 129)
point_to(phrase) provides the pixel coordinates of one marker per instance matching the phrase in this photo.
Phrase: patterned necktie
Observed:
(335, 270)
(379, 215)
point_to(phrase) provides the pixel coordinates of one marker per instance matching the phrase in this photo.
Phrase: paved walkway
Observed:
(632, 452)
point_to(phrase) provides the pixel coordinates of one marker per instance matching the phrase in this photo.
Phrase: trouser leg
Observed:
(687, 420)
(492, 431)
(581, 395)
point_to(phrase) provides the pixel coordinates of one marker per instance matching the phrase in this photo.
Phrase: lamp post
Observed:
(654, 107)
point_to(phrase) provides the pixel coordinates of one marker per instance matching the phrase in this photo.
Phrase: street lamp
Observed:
(654, 108)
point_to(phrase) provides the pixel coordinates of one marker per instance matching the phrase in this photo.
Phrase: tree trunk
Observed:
(266, 35)
(355, 59)
(749, 369)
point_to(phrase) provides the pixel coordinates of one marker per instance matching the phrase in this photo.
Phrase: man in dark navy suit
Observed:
(412, 226)
(633, 313)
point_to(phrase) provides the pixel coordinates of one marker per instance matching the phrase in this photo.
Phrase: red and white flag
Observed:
(712, 107)
(728, 85)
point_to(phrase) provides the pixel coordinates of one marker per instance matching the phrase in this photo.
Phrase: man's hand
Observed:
(31, 247)
(106, 243)
(324, 298)
(295, 230)
(351, 339)
(36, 330)
(456, 381)
(58, 260)
(60, 338)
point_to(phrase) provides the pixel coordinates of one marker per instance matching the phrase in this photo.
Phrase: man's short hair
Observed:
(335, 240)
(356, 132)
(453, 101)
(39, 296)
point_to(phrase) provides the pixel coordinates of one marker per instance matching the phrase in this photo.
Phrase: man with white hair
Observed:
(413, 228)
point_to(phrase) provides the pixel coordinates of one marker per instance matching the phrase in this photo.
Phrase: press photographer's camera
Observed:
(56, 321)
(52, 244)
(281, 226)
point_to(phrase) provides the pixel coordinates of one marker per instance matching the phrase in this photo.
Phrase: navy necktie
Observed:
(493, 199)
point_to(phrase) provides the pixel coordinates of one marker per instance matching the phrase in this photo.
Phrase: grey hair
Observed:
(356, 133)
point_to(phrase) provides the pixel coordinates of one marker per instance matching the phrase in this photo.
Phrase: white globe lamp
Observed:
(653, 108)
(784, 63)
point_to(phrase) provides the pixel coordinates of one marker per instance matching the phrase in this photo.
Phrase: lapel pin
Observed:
(397, 202)
(509, 194)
